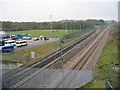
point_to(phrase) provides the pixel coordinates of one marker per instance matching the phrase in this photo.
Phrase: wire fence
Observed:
(55, 78)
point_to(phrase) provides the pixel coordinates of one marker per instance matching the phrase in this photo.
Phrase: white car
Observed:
(21, 43)
(27, 38)
(10, 42)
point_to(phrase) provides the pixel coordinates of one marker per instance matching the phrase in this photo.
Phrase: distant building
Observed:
(3, 34)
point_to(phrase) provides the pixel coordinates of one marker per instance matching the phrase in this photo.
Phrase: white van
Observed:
(10, 42)
(21, 43)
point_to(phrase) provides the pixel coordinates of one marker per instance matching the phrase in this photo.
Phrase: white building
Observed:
(3, 34)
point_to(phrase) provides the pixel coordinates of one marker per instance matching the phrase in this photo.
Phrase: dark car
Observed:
(46, 38)
(6, 49)
(35, 39)
(14, 38)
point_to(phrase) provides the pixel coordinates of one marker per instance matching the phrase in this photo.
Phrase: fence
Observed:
(56, 78)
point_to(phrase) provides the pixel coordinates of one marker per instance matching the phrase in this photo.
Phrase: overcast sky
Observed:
(40, 10)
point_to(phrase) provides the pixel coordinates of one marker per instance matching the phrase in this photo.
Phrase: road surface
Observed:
(36, 43)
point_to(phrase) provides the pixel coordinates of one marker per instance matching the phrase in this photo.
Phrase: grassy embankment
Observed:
(24, 55)
(106, 67)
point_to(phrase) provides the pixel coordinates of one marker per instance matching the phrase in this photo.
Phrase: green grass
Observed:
(37, 33)
(12, 57)
(108, 60)
(109, 57)
(96, 84)
(24, 55)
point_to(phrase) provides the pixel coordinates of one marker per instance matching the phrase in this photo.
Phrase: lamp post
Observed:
(51, 26)
(50, 22)
(68, 29)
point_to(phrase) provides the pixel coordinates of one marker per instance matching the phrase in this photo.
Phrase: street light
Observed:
(68, 29)
(50, 22)
(51, 25)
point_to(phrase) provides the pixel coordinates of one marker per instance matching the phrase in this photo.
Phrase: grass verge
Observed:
(107, 67)
(25, 55)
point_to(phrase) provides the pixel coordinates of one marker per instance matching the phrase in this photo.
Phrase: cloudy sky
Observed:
(40, 10)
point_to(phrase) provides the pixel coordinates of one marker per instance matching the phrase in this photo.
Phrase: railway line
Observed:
(12, 82)
(66, 78)
(96, 54)
(56, 64)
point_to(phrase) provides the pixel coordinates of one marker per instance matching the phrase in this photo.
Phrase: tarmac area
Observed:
(32, 43)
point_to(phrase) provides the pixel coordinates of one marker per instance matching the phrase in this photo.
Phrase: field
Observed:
(107, 65)
(38, 33)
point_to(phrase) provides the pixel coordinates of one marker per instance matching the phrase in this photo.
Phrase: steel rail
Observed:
(79, 64)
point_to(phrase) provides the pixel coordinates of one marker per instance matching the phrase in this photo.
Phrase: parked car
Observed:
(46, 38)
(21, 43)
(35, 39)
(41, 37)
(6, 49)
(27, 38)
(10, 42)
(13, 37)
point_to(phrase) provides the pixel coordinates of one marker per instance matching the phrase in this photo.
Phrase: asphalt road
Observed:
(32, 43)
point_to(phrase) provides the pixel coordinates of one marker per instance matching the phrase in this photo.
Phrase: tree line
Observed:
(64, 24)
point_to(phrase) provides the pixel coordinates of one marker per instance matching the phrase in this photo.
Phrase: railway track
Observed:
(56, 64)
(65, 79)
(26, 81)
(11, 81)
